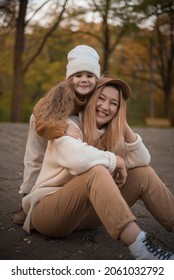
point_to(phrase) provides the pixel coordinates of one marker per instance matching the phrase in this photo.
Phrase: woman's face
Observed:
(84, 83)
(107, 105)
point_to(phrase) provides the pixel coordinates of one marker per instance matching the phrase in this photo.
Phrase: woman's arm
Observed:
(136, 154)
(78, 157)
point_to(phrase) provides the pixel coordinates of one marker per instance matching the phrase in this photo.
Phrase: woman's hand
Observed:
(74, 131)
(120, 172)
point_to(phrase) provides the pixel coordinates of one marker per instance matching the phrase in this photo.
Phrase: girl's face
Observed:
(107, 105)
(84, 83)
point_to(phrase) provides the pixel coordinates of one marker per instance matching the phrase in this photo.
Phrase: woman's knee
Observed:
(145, 180)
(143, 173)
(141, 178)
(99, 169)
(98, 177)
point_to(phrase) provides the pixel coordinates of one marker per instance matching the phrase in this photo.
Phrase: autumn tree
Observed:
(120, 18)
(20, 66)
(161, 43)
(164, 37)
(110, 20)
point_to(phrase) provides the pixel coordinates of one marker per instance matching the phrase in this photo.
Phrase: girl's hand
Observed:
(120, 172)
(74, 132)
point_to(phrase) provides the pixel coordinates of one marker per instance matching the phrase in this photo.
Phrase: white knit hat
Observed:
(83, 58)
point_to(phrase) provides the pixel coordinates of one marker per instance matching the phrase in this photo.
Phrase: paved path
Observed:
(16, 244)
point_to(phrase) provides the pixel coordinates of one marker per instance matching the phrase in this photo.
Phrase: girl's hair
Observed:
(58, 103)
(112, 138)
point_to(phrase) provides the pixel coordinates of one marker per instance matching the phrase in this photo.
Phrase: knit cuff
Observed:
(112, 162)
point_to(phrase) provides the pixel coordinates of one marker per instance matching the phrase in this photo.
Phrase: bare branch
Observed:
(118, 39)
(94, 35)
(36, 11)
(47, 35)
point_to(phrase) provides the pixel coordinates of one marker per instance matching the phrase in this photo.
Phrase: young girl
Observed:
(82, 73)
(84, 184)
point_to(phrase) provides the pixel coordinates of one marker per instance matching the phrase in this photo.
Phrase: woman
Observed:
(84, 184)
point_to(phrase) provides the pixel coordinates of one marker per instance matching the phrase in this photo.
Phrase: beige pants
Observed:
(93, 198)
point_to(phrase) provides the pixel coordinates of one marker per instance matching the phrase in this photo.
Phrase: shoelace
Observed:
(158, 252)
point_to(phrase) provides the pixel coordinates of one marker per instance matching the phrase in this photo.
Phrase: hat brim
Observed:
(126, 90)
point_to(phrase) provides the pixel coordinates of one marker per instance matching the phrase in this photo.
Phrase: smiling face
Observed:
(107, 105)
(84, 83)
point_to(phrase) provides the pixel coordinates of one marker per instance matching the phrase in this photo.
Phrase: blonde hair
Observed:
(112, 138)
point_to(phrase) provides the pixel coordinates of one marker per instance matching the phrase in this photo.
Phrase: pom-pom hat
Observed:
(83, 58)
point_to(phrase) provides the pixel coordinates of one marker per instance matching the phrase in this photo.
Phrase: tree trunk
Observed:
(18, 75)
(106, 39)
(166, 106)
(19, 68)
(105, 66)
(167, 95)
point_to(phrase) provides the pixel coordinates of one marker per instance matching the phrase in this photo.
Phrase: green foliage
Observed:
(6, 62)
(137, 108)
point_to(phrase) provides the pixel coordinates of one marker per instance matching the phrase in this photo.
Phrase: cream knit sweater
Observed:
(66, 157)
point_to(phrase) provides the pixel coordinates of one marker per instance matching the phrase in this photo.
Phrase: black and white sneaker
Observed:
(144, 249)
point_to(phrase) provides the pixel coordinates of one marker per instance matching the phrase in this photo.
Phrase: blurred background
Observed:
(134, 38)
